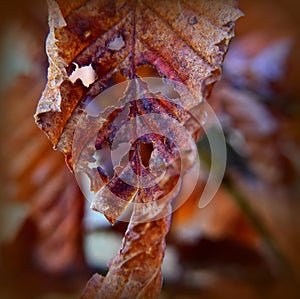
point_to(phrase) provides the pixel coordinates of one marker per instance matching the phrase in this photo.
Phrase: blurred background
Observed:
(244, 244)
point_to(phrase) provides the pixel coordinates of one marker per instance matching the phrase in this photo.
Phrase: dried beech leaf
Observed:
(186, 42)
(114, 38)
(82, 32)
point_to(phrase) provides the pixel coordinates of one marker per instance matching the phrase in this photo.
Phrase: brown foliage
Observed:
(186, 42)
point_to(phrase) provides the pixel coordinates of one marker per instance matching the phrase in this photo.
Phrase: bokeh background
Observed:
(244, 244)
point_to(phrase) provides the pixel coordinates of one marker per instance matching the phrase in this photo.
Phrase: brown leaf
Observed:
(135, 272)
(85, 37)
(200, 29)
(185, 42)
(37, 176)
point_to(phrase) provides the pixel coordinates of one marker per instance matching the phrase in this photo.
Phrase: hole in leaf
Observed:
(86, 74)
(147, 70)
(116, 78)
(192, 20)
(222, 45)
(229, 25)
(171, 93)
(103, 161)
(146, 150)
(117, 43)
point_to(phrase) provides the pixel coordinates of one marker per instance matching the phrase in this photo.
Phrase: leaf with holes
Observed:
(92, 46)
(186, 42)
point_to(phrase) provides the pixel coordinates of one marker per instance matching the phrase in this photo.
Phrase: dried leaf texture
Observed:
(135, 272)
(186, 42)
(200, 30)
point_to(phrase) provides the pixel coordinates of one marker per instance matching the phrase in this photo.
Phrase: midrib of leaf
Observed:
(133, 62)
(148, 284)
(185, 62)
(132, 51)
(148, 46)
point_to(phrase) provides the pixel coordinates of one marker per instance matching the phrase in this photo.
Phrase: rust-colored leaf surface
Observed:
(135, 271)
(184, 41)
